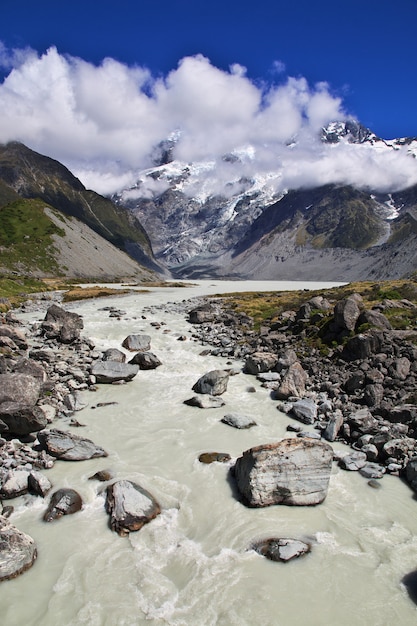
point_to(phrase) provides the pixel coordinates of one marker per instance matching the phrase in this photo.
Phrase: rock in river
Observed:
(17, 550)
(65, 446)
(113, 371)
(281, 549)
(291, 471)
(63, 502)
(213, 383)
(129, 506)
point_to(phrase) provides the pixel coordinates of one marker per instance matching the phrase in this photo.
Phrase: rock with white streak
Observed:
(292, 471)
(129, 506)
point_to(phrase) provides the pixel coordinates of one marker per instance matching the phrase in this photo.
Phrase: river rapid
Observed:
(192, 565)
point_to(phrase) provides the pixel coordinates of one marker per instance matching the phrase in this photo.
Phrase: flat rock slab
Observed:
(205, 402)
(130, 507)
(237, 420)
(65, 446)
(283, 549)
(292, 471)
(63, 502)
(112, 371)
(17, 551)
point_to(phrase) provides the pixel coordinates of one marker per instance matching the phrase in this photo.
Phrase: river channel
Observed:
(192, 565)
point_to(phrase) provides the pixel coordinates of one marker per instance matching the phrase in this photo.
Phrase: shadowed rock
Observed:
(63, 502)
(146, 360)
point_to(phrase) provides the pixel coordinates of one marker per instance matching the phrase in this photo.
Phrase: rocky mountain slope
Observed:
(204, 223)
(51, 224)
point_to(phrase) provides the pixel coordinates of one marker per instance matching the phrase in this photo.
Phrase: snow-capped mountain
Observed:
(203, 216)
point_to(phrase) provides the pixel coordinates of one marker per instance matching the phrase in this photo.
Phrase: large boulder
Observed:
(14, 483)
(109, 372)
(137, 343)
(305, 410)
(17, 550)
(62, 325)
(65, 446)
(293, 471)
(63, 502)
(202, 314)
(238, 420)
(129, 506)
(213, 383)
(293, 382)
(362, 346)
(347, 312)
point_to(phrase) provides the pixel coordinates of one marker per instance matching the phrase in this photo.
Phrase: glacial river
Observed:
(191, 566)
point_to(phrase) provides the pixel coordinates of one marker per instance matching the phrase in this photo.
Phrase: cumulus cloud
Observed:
(105, 121)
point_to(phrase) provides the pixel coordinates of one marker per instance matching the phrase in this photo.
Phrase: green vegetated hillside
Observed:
(26, 238)
(34, 176)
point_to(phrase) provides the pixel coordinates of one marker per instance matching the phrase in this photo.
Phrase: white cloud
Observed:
(104, 121)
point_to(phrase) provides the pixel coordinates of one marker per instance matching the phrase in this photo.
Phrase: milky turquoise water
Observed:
(191, 566)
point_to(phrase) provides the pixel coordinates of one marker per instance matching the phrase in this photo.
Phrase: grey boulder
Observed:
(292, 471)
(137, 343)
(109, 372)
(237, 420)
(213, 383)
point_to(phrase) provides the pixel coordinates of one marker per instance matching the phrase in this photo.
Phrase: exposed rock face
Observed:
(112, 371)
(213, 383)
(65, 446)
(21, 387)
(130, 507)
(62, 325)
(63, 502)
(283, 549)
(17, 550)
(293, 471)
(14, 483)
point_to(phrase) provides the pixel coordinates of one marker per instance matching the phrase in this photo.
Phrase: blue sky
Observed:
(97, 85)
(365, 49)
